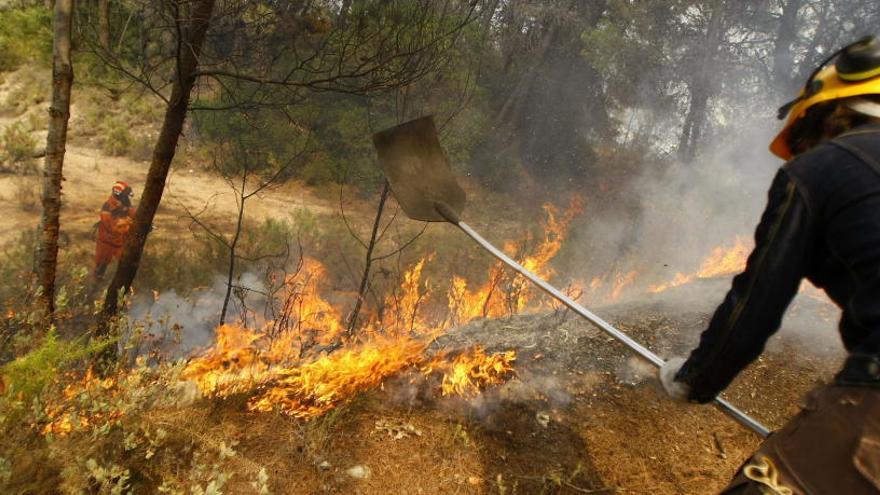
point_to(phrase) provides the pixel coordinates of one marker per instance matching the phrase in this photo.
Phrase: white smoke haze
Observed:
(537, 387)
(181, 326)
(634, 371)
(683, 212)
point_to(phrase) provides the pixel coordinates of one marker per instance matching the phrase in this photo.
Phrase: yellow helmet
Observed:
(855, 72)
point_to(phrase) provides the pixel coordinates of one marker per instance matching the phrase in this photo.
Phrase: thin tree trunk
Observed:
(59, 114)
(812, 57)
(701, 86)
(231, 273)
(104, 23)
(783, 59)
(342, 18)
(362, 291)
(193, 26)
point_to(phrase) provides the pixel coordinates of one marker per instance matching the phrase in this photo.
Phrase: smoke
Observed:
(669, 218)
(178, 326)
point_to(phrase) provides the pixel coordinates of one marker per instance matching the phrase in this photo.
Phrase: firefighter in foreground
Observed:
(822, 223)
(117, 216)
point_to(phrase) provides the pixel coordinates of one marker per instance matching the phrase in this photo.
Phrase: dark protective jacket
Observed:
(822, 222)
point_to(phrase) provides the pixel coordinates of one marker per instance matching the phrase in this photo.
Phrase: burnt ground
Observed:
(581, 416)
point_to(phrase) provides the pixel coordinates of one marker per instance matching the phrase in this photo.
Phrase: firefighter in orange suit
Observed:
(117, 217)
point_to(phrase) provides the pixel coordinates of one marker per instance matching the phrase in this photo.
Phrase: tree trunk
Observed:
(104, 23)
(783, 58)
(812, 55)
(59, 114)
(193, 29)
(230, 274)
(701, 86)
(342, 18)
(365, 280)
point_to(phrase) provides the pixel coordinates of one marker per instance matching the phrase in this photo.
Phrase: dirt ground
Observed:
(89, 175)
(581, 416)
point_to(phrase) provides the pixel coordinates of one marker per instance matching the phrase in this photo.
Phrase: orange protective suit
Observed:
(116, 221)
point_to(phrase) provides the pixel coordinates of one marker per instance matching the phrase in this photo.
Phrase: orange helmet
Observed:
(855, 72)
(122, 188)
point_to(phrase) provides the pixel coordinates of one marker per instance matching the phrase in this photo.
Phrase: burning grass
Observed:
(723, 261)
(308, 365)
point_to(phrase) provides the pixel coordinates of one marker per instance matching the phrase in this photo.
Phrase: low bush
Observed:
(114, 136)
(28, 88)
(17, 149)
(25, 36)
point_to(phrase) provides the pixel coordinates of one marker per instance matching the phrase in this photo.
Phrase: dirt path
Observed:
(89, 175)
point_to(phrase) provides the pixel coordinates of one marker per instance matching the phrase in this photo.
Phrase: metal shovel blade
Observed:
(417, 170)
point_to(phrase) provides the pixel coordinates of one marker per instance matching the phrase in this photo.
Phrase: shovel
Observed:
(421, 181)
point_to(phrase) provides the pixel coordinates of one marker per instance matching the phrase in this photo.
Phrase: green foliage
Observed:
(132, 433)
(260, 142)
(16, 260)
(179, 263)
(25, 36)
(185, 263)
(272, 237)
(119, 125)
(112, 479)
(17, 149)
(114, 136)
(338, 131)
(28, 89)
(30, 374)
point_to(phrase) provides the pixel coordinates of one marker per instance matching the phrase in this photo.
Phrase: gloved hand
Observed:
(676, 390)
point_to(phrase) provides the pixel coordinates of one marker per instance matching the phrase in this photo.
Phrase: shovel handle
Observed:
(603, 325)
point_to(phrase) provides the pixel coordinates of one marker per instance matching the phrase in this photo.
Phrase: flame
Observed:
(726, 261)
(721, 262)
(621, 281)
(283, 373)
(401, 314)
(503, 293)
(468, 373)
(71, 411)
(301, 363)
(314, 388)
(286, 367)
(230, 365)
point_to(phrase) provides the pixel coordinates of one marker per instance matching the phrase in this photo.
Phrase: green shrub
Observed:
(16, 262)
(179, 263)
(141, 148)
(30, 87)
(114, 136)
(29, 374)
(272, 237)
(320, 169)
(118, 126)
(17, 149)
(25, 35)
